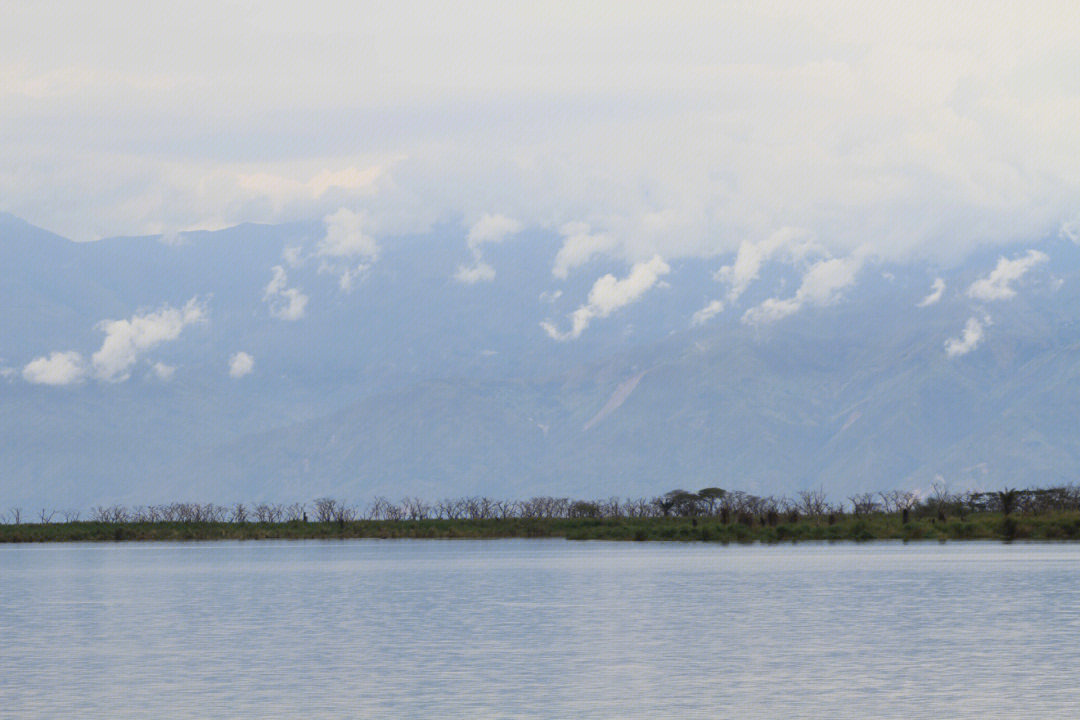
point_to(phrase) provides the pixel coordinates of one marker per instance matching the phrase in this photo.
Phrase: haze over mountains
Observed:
(289, 361)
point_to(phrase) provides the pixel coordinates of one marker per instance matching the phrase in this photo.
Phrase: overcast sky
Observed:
(673, 129)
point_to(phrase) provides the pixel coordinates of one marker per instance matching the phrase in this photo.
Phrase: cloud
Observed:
(608, 294)
(678, 131)
(821, 285)
(285, 303)
(163, 372)
(707, 313)
(998, 284)
(479, 272)
(241, 364)
(579, 246)
(172, 239)
(59, 368)
(293, 256)
(936, 291)
(969, 339)
(345, 237)
(491, 229)
(488, 229)
(345, 242)
(795, 242)
(126, 339)
(1070, 230)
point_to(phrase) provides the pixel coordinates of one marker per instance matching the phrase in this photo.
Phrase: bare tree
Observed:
(325, 509)
(813, 502)
(415, 508)
(864, 504)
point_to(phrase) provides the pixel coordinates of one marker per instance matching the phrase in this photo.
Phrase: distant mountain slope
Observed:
(412, 382)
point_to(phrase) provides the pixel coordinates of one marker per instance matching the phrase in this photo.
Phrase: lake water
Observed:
(539, 629)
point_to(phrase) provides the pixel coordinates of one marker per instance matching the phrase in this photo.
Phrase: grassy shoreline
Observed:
(1064, 525)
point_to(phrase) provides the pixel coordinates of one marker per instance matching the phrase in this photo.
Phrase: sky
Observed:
(647, 132)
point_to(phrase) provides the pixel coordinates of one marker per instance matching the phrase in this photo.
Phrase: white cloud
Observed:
(969, 339)
(707, 313)
(936, 291)
(293, 256)
(241, 364)
(794, 242)
(345, 242)
(491, 229)
(998, 284)
(679, 130)
(345, 237)
(163, 372)
(126, 339)
(172, 239)
(285, 303)
(821, 286)
(550, 296)
(608, 294)
(479, 272)
(579, 246)
(488, 229)
(59, 368)
(1070, 230)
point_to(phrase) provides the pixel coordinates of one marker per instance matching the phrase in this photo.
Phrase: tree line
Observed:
(712, 502)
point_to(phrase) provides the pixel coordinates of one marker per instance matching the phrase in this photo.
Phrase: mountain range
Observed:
(291, 361)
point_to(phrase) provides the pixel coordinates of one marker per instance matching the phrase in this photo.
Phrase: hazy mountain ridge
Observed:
(414, 383)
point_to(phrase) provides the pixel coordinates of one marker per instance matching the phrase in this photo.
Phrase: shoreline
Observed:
(1063, 525)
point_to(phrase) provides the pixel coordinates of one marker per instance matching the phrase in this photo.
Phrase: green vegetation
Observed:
(711, 515)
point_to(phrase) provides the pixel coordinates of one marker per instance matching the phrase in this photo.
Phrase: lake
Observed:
(539, 629)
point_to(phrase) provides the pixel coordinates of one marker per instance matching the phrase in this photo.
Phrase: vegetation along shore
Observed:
(710, 515)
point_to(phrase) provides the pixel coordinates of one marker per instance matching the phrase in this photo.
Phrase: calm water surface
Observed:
(539, 629)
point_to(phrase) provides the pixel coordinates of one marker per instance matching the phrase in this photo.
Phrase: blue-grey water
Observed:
(539, 629)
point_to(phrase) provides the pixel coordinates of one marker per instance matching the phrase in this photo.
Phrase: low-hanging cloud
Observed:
(969, 339)
(285, 303)
(347, 249)
(677, 130)
(163, 372)
(795, 243)
(998, 285)
(489, 229)
(125, 340)
(579, 246)
(936, 291)
(58, 368)
(241, 364)
(707, 313)
(478, 272)
(821, 285)
(608, 294)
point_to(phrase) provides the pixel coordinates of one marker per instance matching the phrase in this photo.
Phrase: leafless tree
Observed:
(813, 502)
(416, 509)
(325, 509)
(864, 504)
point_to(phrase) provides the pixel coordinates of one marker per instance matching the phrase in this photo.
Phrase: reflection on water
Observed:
(538, 629)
